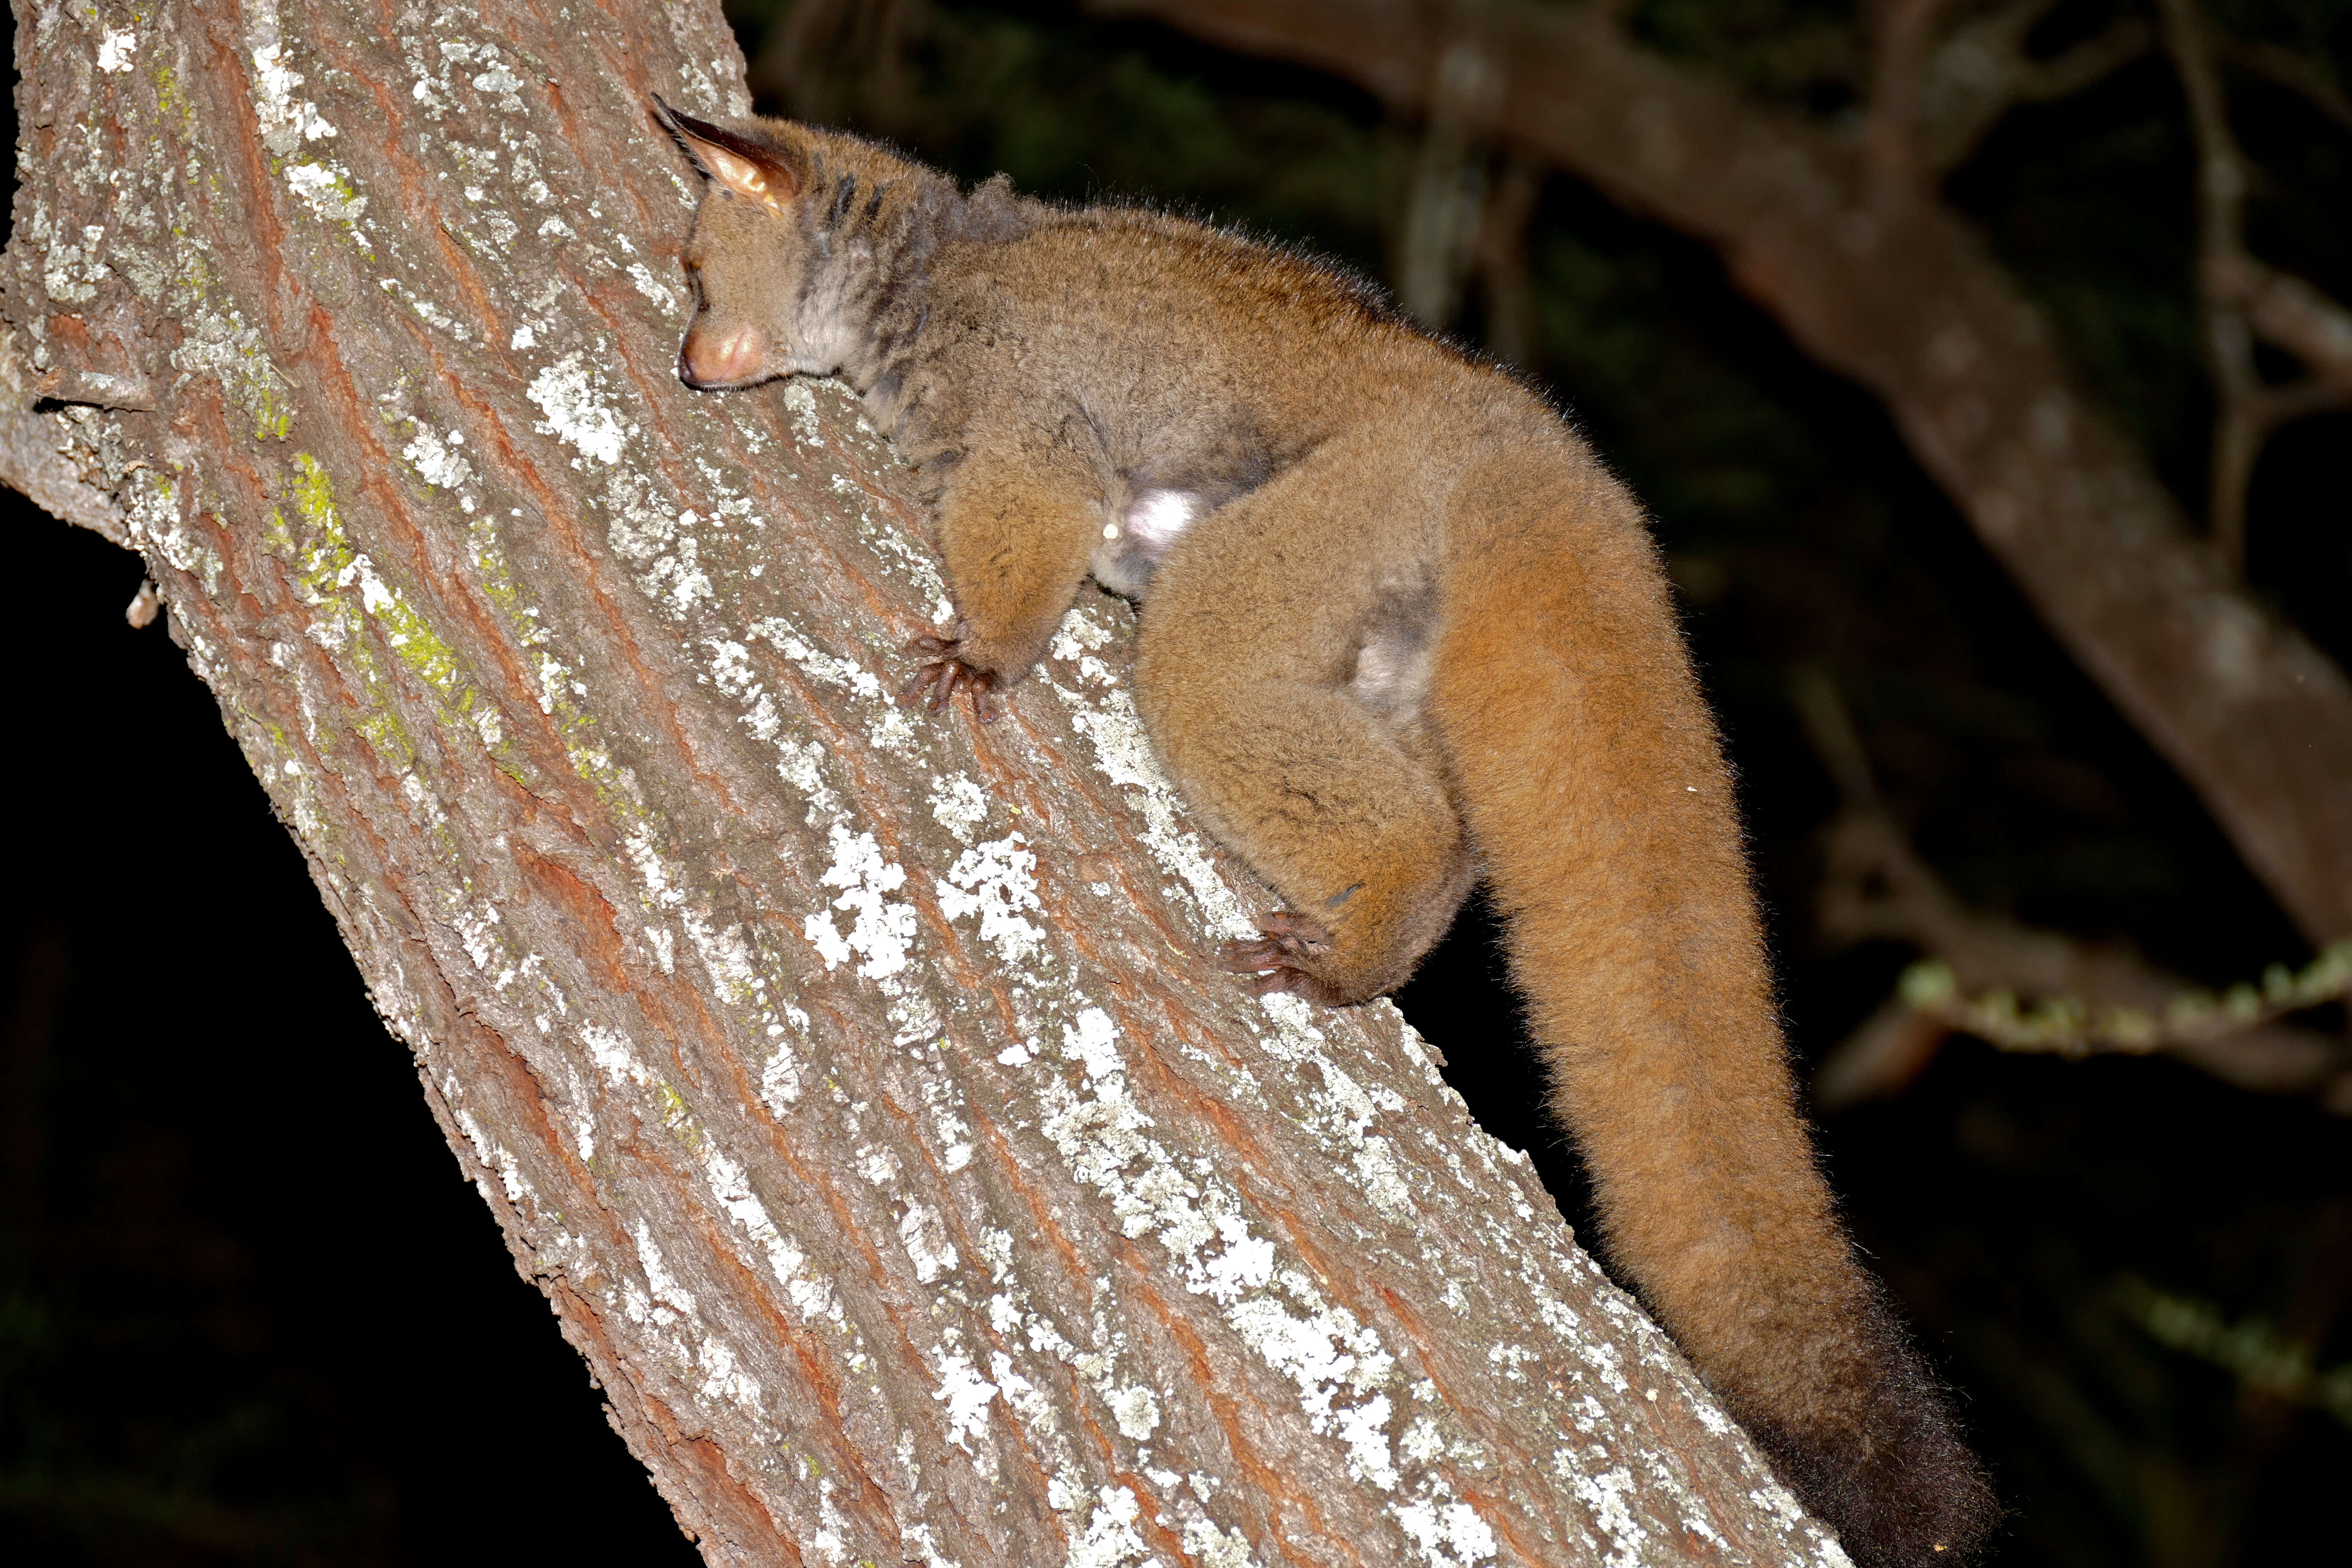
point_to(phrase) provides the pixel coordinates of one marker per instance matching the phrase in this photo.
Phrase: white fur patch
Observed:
(1159, 516)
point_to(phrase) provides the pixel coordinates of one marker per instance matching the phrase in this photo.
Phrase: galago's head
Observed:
(783, 248)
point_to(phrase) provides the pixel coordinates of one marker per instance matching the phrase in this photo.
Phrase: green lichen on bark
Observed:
(349, 590)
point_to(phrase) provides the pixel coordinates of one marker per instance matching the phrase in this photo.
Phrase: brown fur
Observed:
(1415, 635)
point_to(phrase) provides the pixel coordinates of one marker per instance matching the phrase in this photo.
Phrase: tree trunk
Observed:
(849, 1078)
(1892, 290)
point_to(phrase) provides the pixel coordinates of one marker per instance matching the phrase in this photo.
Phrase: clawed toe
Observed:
(1284, 980)
(1286, 955)
(1267, 966)
(930, 685)
(1249, 957)
(942, 671)
(1285, 942)
(1297, 933)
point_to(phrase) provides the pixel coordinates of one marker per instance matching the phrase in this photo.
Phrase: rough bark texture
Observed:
(849, 1079)
(1879, 281)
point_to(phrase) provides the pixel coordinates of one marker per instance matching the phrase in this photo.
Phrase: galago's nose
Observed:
(724, 358)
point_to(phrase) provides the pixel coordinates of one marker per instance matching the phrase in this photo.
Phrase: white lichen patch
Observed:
(881, 932)
(614, 1057)
(1670, 1476)
(503, 84)
(579, 411)
(891, 730)
(957, 805)
(724, 1376)
(439, 460)
(1448, 1533)
(151, 514)
(812, 1296)
(477, 934)
(291, 126)
(71, 272)
(663, 1301)
(1213, 1548)
(1123, 754)
(1329, 1357)
(780, 1078)
(966, 1395)
(424, 309)
(1109, 1540)
(496, 1160)
(653, 288)
(1079, 633)
(801, 402)
(1337, 1365)
(825, 669)
(919, 1547)
(924, 1233)
(651, 533)
(1137, 1410)
(287, 122)
(802, 765)
(727, 957)
(1380, 1175)
(327, 191)
(1604, 1496)
(996, 881)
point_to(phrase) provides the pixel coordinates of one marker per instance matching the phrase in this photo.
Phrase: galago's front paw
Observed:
(944, 672)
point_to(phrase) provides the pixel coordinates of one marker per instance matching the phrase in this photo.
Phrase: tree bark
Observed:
(849, 1079)
(1884, 284)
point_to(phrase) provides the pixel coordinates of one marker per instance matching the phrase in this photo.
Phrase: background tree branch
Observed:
(1980, 69)
(2083, 997)
(852, 1083)
(2285, 68)
(2243, 300)
(1902, 297)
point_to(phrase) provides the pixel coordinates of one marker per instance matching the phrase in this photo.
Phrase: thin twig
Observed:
(2087, 62)
(2288, 69)
(2289, 313)
(1933, 100)
(1437, 241)
(1903, 42)
(1981, 70)
(2242, 418)
(2075, 1026)
(1502, 259)
(2085, 998)
(2244, 300)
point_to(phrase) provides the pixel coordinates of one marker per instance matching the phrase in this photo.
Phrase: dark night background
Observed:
(248, 1312)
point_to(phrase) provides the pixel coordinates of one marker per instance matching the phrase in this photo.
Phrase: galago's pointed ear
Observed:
(741, 165)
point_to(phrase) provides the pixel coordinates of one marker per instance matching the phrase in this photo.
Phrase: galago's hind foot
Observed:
(1286, 956)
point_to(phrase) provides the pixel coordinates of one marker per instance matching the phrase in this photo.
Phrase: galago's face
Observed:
(752, 260)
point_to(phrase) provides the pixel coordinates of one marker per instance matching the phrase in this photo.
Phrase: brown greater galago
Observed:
(1401, 632)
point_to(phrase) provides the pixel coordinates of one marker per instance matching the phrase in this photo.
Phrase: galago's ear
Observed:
(741, 165)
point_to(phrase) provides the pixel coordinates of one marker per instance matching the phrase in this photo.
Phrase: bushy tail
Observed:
(1594, 785)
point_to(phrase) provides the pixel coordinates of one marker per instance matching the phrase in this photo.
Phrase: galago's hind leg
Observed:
(1252, 700)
